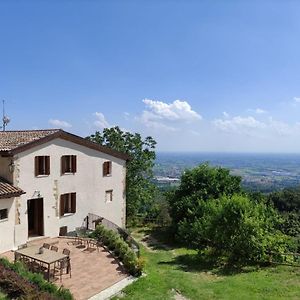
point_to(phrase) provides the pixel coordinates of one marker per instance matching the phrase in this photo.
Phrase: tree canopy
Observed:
(201, 183)
(236, 229)
(211, 213)
(139, 189)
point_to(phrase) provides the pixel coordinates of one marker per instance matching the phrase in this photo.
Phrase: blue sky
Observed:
(195, 75)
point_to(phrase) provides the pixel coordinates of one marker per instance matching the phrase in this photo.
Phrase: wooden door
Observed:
(35, 210)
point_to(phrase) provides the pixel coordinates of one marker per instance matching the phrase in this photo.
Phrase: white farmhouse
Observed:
(50, 180)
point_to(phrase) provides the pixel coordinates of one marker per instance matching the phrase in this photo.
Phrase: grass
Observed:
(171, 269)
(3, 295)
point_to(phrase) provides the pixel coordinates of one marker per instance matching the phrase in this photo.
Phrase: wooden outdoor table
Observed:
(48, 257)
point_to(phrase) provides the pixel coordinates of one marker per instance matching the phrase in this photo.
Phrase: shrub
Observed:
(120, 248)
(118, 245)
(17, 281)
(201, 183)
(112, 240)
(235, 228)
(123, 250)
(130, 261)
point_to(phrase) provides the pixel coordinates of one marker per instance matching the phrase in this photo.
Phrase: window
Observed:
(107, 168)
(3, 214)
(109, 196)
(67, 204)
(68, 164)
(42, 165)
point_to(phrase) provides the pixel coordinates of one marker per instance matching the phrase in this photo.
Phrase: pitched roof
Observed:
(7, 190)
(13, 142)
(10, 140)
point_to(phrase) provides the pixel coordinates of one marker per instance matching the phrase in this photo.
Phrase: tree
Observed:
(201, 183)
(236, 229)
(287, 202)
(139, 189)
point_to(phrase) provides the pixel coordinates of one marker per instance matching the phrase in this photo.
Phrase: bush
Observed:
(235, 228)
(112, 240)
(201, 183)
(119, 244)
(17, 281)
(120, 248)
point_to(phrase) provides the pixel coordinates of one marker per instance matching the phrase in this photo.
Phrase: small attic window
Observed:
(107, 168)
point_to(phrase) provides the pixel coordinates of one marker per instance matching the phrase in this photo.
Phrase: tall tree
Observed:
(139, 189)
(201, 183)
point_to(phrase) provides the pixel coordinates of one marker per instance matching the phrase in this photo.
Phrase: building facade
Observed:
(55, 179)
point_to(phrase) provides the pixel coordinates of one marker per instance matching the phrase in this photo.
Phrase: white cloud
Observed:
(59, 123)
(238, 124)
(173, 116)
(260, 111)
(225, 114)
(175, 111)
(282, 128)
(101, 122)
(252, 127)
(297, 99)
(150, 120)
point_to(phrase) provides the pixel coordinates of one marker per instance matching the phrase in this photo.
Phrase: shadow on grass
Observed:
(198, 263)
(158, 238)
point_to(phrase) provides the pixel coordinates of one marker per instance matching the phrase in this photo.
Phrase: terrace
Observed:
(93, 270)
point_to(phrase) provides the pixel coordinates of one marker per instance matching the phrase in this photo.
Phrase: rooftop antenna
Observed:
(5, 119)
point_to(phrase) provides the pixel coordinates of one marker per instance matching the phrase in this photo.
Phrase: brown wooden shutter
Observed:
(106, 168)
(74, 164)
(73, 202)
(63, 164)
(62, 205)
(103, 167)
(36, 166)
(47, 163)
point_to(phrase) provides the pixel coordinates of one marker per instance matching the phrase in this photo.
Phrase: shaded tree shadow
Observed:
(159, 238)
(198, 263)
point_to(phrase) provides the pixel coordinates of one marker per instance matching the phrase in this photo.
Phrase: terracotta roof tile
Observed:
(7, 190)
(10, 140)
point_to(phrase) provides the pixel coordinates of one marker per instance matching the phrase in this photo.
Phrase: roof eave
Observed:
(69, 137)
(12, 195)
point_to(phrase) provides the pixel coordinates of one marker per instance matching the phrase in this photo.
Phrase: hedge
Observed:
(119, 248)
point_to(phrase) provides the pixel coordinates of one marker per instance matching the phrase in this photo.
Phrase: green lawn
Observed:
(179, 269)
(2, 295)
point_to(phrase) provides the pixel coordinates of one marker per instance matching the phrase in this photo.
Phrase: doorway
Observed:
(35, 211)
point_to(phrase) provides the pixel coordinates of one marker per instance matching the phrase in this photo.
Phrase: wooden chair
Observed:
(35, 266)
(76, 241)
(95, 243)
(64, 264)
(66, 252)
(54, 248)
(46, 246)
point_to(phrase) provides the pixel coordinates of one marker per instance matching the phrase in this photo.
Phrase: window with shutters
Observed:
(109, 196)
(3, 214)
(67, 204)
(42, 165)
(107, 168)
(68, 164)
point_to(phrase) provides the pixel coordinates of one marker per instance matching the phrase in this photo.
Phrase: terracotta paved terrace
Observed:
(92, 270)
